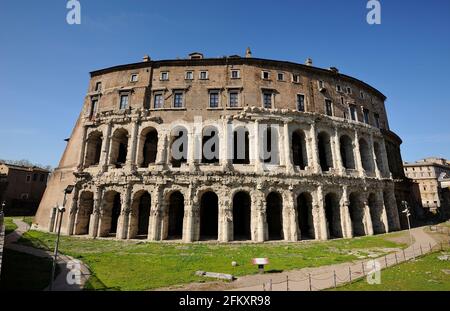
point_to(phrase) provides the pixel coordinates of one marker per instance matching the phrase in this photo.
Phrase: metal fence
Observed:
(350, 273)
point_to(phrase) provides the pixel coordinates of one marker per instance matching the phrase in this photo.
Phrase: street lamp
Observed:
(61, 210)
(408, 214)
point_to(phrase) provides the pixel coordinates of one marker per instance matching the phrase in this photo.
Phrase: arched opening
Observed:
(299, 153)
(325, 153)
(304, 216)
(274, 208)
(178, 146)
(149, 138)
(176, 215)
(111, 210)
(209, 216)
(366, 157)
(356, 210)
(242, 216)
(210, 145)
(119, 145)
(241, 146)
(379, 156)
(144, 214)
(376, 213)
(333, 216)
(347, 155)
(85, 209)
(270, 145)
(93, 149)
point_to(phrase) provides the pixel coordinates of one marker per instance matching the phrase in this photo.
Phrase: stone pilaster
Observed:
(256, 143)
(163, 150)
(132, 145)
(154, 225)
(384, 218)
(124, 218)
(358, 160)
(337, 152)
(368, 226)
(82, 155)
(374, 157)
(394, 223)
(225, 145)
(191, 220)
(290, 218)
(106, 148)
(320, 220)
(73, 212)
(287, 149)
(259, 228)
(225, 228)
(313, 151)
(95, 216)
(347, 229)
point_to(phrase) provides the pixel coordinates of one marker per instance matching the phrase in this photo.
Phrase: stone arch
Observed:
(119, 147)
(274, 214)
(305, 219)
(376, 214)
(325, 151)
(210, 145)
(93, 148)
(148, 147)
(242, 205)
(175, 215)
(333, 216)
(366, 156)
(85, 210)
(299, 153)
(241, 145)
(178, 146)
(111, 209)
(347, 154)
(379, 156)
(356, 210)
(140, 214)
(209, 216)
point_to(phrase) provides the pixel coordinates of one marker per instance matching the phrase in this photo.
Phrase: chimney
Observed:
(334, 69)
(308, 62)
(146, 58)
(248, 53)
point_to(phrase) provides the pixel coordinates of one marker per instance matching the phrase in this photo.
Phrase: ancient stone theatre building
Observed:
(328, 175)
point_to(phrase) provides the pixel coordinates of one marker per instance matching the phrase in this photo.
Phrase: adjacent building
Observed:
(431, 176)
(21, 188)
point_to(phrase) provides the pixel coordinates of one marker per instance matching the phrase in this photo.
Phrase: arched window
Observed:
(119, 147)
(241, 146)
(299, 153)
(175, 215)
(93, 149)
(366, 157)
(209, 216)
(242, 216)
(85, 209)
(274, 213)
(149, 143)
(210, 145)
(140, 215)
(112, 207)
(179, 146)
(347, 155)
(325, 153)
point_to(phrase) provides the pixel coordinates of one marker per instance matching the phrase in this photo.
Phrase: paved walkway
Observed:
(65, 263)
(328, 276)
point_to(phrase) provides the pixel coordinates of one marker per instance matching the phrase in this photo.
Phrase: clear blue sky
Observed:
(44, 62)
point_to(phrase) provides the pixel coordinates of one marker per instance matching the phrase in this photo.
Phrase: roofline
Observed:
(25, 168)
(228, 60)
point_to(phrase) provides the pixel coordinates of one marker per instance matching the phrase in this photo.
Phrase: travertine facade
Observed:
(329, 175)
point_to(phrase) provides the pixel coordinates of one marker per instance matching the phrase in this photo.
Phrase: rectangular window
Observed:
(94, 104)
(361, 94)
(98, 86)
(234, 99)
(213, 99)
(28, 178)
(366, 116)
(353, 114)
(189, 75)
(300, 102)
(338, 88)
(235, 74)
(203, 75)
(158, 101)
(265, 75)
(320, 84)
(123, 102)
(267, 100)
(377, 120)
(349, 90)
(35, 177)
(280, 76)
(134, 77)
(164, 76)
(295, 78)
(178, 100)
(328, 107)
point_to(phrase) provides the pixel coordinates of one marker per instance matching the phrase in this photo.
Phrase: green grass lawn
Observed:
(24, 272)
(129, 265)
(424, 274)
(28, 219)
(10, 226)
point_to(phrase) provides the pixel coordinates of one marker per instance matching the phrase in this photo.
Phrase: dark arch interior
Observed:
(144, 213)
(274, 216)
(115, 213)
(299, 149)
(325, 157)
(241, 152)
(332, 216)
(86, 206)
(150, 148)
(356, 215)
(176, 215)
(209, 216)
(214, 148)
(304, 216)
(241, 216)
(346, 148)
